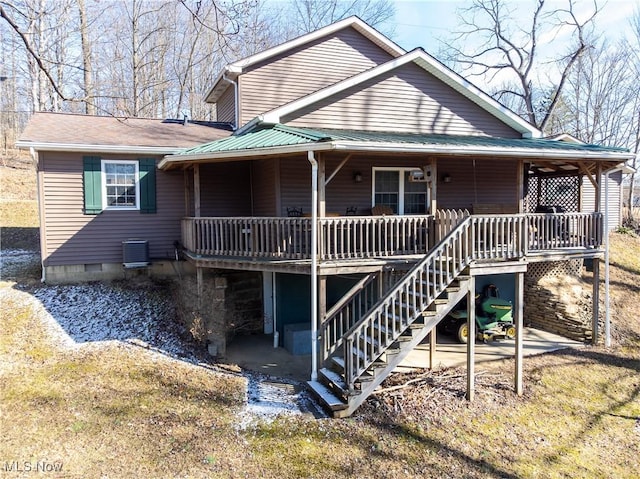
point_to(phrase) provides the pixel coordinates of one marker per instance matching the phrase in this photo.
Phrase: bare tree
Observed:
(309, 15)
(634, 47)
(87, 65)
(503, 47)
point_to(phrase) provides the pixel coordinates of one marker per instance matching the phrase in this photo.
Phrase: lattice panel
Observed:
(554, 191)
(550, 269)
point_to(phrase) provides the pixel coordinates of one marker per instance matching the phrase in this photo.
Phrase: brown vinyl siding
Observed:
(295, 184)
(226, 106)
(224, 189)
(75, 238)
(263, 178)
(408, 99)
(306, 69)
(488, 182)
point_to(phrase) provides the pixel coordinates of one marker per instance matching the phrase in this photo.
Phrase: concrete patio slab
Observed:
(256, 353)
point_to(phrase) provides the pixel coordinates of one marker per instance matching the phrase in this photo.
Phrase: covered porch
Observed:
(456, 209)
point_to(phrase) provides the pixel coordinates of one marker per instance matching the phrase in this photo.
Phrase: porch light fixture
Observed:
(357, 177)
(446, 178)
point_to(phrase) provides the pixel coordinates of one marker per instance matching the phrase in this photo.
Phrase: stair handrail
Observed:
(423, 277)
(349, 302)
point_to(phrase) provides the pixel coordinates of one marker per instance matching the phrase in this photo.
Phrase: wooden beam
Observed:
(520, 187)
(338, 168)
(276, 186)
(433, 207)
(519, 323)
(196, 189)
(595, 302)
(200, 283)
(587, 172)
(471, 337)
(598, 186)
(322, 191)
(432, 347)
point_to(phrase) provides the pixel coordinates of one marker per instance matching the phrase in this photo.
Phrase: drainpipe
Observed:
(235, 100)
(34, 157)
(314, 265)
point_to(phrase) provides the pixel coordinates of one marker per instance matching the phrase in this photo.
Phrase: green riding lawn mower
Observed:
(494, 318)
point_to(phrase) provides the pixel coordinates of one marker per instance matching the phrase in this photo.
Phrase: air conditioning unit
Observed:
(135, 253)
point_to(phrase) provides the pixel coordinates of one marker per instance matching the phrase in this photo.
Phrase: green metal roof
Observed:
(277, 135)
(282, 135)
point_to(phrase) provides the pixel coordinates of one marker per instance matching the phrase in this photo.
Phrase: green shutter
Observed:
(92, 185)
(147, 170)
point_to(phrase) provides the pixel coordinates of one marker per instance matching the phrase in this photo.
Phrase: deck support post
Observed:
(595, 335)
(322, 313)
(200, 284)
(432, 347)
(471, 337)
(519, 324)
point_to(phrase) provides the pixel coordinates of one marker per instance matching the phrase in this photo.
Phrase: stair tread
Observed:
(334, 377)
(331, 400)
(338, 361)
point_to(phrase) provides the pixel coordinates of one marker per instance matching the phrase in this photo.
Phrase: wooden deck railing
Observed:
(352, 237)
(346, 312)
(359, 237)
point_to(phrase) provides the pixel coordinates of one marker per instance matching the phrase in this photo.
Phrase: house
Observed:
(364, 192)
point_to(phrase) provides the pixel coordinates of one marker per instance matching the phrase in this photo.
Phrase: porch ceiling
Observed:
(546, 155)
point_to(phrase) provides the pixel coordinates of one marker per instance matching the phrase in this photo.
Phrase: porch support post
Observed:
(519, 324)
(595, 306)
(196, 189)
(520, 186)
(607, 314)
(471, 337)
(596, 279)
(432, 347)
(434, 186)
(322, 197)
(314, 265)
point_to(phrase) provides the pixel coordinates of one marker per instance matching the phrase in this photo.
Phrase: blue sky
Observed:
(423, 23)
(430, 23)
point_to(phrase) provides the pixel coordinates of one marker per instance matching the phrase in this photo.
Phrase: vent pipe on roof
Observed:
(184, 119)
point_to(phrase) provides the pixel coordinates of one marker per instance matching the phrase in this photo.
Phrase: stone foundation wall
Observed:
(231, 303)
(556, 299)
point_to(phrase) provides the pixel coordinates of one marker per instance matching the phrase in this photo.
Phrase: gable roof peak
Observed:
(232, 70)
(428, 63)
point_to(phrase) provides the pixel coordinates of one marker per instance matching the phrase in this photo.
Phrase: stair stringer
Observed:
(382, 330)
(418, 335)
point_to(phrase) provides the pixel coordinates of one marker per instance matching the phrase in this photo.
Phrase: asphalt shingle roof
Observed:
(75, 129)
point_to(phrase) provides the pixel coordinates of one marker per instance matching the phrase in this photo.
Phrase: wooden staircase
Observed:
(381, 339)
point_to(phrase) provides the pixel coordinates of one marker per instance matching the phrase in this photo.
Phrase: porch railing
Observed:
(360, 237)
(352, 237)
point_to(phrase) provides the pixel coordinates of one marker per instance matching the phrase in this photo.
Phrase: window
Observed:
(118, 185)
(121, 187)
(391, 187)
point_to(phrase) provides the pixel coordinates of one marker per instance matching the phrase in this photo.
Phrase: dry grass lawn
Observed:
(110, 410)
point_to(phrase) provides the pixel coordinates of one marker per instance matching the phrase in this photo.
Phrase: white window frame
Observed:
(105, 205)
(402, 170)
